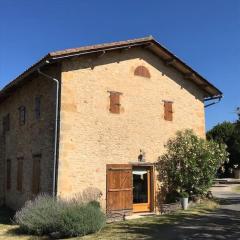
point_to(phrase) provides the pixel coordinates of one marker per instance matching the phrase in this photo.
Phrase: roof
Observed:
(148, 42)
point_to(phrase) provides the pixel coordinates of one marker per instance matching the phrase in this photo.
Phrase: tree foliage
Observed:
(229, 134)
(190, 163)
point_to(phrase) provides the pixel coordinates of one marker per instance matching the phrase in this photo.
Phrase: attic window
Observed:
(142, 72)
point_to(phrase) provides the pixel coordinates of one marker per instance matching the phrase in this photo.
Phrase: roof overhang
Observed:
(148, 42)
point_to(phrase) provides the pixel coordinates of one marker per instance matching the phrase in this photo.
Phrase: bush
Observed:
(79, 220)
(46, 215)
(94, 203)
(190, 163)
(172, 197)
(38, 216)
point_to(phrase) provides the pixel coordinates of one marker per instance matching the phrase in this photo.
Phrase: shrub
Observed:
(190, 163)
(77, 220)
(94, 203)
(38, 216)
(46, 215)
(172, 197)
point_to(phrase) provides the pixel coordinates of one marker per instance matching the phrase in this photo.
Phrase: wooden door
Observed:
(119, 187)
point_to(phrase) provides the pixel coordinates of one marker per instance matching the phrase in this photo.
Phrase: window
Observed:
(142, 72)
(6, 123)
(22, 115)
(115, 102)
(168, 112)
(8, 174)
(19, 174)
(36, 174)
(38, 107)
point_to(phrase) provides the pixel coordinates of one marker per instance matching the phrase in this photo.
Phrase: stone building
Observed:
(97, 116)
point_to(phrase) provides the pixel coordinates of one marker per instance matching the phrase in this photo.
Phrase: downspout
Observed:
(54, 192)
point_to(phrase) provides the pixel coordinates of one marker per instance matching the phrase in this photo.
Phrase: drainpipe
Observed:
(54, 192)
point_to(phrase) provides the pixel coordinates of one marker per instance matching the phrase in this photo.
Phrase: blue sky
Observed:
(205, 34)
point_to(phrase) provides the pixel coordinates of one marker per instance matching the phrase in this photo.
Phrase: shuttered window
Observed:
(9, 174)
(115, 102)
(168, 111)
(6, 123)
(38, 107)
(36, 174)
(19, 174)
(22, 115)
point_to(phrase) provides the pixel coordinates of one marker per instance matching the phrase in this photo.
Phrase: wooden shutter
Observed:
(36, 175)
(119, 187)
(168, 112)
(38, 107)
(6, 123)
(22, 115)
(19, 174)
(8, 174)
(115, 102)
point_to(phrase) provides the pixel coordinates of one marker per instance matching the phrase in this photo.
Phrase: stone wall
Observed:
(34, 138)
(91, 136)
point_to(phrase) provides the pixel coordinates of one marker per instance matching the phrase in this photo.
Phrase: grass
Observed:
(144, 228)
(236, 188)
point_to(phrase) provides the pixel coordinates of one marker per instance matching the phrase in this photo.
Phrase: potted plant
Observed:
(184, 199)
(236, 171)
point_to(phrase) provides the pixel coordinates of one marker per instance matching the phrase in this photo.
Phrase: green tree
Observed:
(228, 133)
(190, 163)
(222, 133)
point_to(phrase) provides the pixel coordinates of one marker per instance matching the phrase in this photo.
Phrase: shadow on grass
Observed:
(6, 219)
(229, 201)
(6, 215)
(216, 224)
(21, 235)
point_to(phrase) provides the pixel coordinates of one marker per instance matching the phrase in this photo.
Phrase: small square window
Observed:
(22, 115)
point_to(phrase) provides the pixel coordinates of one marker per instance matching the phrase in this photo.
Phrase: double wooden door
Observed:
(129, 188)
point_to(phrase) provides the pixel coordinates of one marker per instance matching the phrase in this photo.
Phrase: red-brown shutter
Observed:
(119, 187)
(19, 174)
(115, 102)
(36, 175)
(8, 174)
(168, 112)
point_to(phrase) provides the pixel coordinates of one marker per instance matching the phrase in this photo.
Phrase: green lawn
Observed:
(236, 188)
(143, 228)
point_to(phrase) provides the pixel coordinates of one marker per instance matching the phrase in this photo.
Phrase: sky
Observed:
(205, 34)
